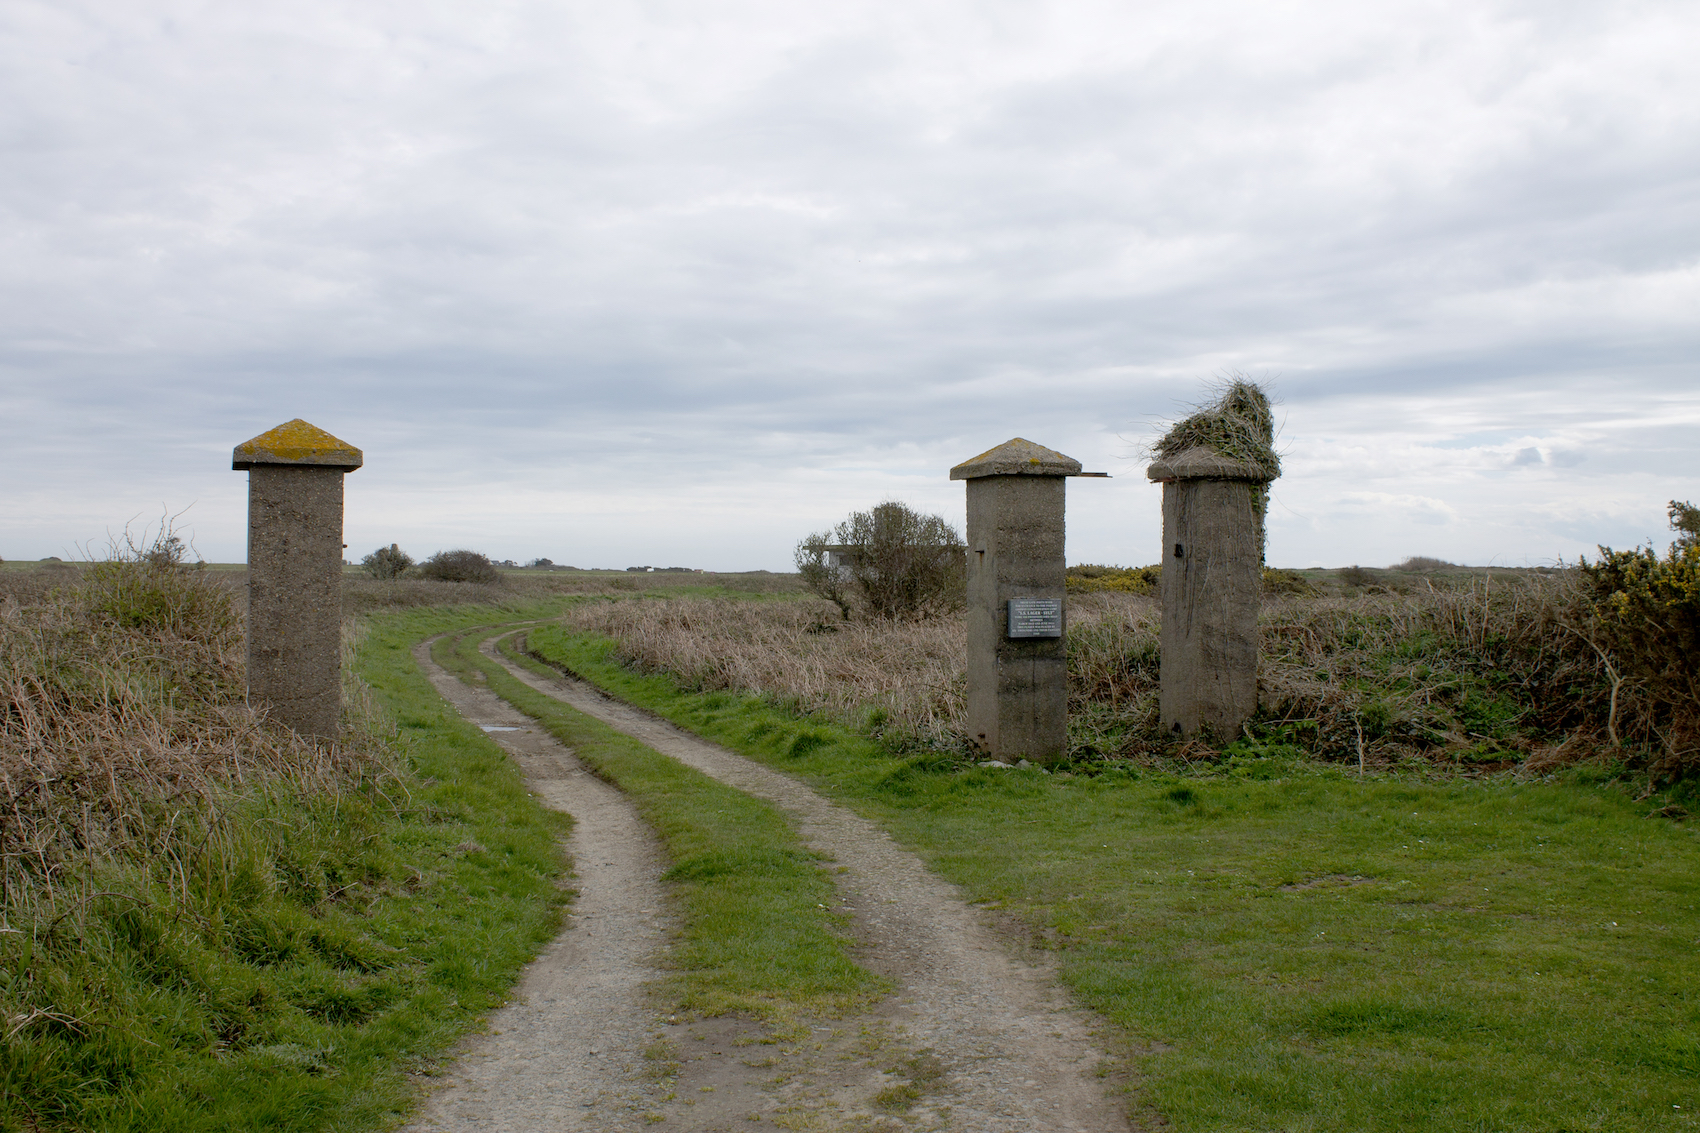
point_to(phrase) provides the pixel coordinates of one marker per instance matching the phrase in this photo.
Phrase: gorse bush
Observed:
(1355, 575)
(889, 562)
(161, 596)
(460, 566)
(1641, 613)
(1089, 578)
(387, 562)
(1279, 581)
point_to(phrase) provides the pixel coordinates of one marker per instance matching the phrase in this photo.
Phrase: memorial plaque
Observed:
(1035, 617)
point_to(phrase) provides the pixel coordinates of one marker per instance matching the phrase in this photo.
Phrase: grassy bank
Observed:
(1288, 946)
(245, 933)
(756, 933)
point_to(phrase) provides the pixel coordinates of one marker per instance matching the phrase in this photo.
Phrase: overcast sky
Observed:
(677, 283)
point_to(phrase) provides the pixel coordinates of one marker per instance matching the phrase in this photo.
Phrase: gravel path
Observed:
(987, 1041)
(567, 1052)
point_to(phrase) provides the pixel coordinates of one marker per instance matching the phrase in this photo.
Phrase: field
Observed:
(1439, 883)
(1283, 943)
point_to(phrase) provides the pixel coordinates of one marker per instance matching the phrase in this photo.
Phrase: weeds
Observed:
(1473, 675)
(901, 679)
(206, 924)
(124, 714)
(1238, 425)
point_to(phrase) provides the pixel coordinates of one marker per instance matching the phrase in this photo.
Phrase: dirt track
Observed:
(973, 1039)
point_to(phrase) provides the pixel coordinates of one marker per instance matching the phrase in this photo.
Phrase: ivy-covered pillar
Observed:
(1215, 468)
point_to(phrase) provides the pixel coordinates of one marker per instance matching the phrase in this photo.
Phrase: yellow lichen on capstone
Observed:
(296, 442)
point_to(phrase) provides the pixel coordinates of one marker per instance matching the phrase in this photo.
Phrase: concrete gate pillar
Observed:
(1211, 588)
(295, 573)
(1017, 663)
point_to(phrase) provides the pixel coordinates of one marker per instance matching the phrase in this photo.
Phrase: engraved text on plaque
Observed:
(1035, 617)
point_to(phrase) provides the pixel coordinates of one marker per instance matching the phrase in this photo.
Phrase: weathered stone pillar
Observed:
(1017, 663)
(295, 573)
(1211, 588)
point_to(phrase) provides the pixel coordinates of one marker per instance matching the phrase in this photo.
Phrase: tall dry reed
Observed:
(904, 679)
(1485, 673)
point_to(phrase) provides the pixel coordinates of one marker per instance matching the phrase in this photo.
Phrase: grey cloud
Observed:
(538, 237)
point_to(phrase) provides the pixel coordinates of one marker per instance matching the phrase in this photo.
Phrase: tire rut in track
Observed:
(998, 1045)
(566, 1053)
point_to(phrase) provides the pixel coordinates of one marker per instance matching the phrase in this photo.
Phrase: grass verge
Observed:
(285, 956)
(758, 934)
(1304, 950)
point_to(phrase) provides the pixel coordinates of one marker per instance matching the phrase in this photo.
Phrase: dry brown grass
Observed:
(122, 711)
(899, 678)
(1477, 676)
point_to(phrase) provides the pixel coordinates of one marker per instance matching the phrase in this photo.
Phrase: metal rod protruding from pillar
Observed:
(1017, 660)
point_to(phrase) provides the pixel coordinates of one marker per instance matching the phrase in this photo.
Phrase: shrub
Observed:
(889, 562)
(1357, 576)
(150, 587)
(460, 566)
(1278, 581)
(387, 562)
(1643, 617)
(1422, 564)
(1685, 519)
(1089, 578)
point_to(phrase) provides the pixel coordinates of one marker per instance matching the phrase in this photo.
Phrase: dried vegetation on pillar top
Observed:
(296, 442)
(1232, 438)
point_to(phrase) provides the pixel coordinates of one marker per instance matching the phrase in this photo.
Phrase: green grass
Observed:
(290, 958)
(1292, 948)
(758, 935)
